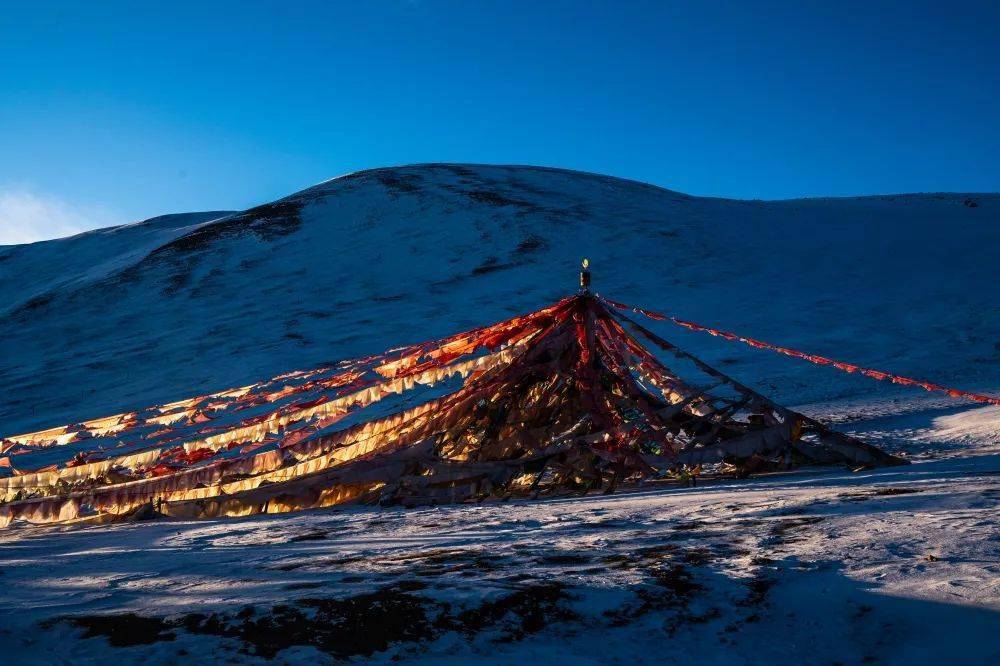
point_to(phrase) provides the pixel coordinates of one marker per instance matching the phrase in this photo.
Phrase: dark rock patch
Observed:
(790, 530)
(399, 182)
(697, 556)
(657, 552)
(677, 580)
(36, 303)
(563, 559)
(529, 245)
(492, 265)
(878, 492)
(121, 629)
(526, 611)
(267, 222)
(493, 198)
(757, 591)
(314, 535)
(672, 588)
(389, 298)
(354, 626)
(885, 492)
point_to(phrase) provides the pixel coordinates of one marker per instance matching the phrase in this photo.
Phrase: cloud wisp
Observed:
(27, 217)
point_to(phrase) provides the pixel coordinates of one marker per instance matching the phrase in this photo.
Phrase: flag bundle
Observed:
(562, 400)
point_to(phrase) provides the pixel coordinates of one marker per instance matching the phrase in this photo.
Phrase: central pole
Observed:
(585, 277)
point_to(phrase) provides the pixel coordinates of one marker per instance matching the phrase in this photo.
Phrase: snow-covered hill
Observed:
(897, 565)
(121, 318)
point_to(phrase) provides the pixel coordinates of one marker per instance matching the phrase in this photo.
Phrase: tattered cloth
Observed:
(563, 399)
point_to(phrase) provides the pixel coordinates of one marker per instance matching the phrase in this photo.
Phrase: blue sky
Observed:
(112, 112)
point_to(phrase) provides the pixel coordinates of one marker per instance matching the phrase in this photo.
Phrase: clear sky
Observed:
(117, 111)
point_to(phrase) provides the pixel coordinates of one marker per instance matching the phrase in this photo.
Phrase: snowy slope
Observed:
(34, 271)
(123, 318)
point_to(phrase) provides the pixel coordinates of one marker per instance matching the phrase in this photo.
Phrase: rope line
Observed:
(812, 358)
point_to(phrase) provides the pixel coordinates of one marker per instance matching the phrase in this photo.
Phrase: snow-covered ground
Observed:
(898, 566)
(819, 566)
